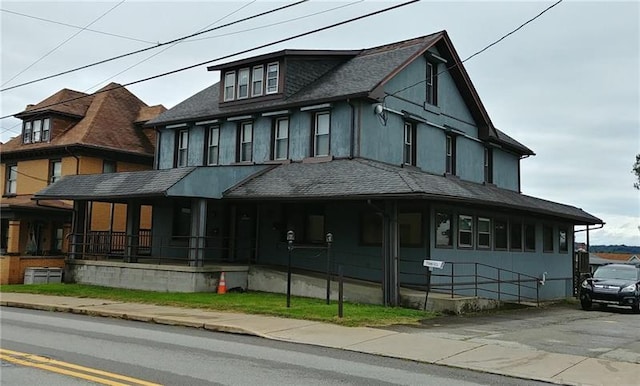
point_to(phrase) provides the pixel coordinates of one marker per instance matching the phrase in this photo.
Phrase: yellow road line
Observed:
(59, 367)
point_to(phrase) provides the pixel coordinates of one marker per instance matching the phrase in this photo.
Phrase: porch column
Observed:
(133, 232)
(198, 232)
(391, 254)
(78, 228)
(13, 238)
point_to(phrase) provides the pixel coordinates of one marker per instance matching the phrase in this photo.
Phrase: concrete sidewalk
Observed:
(492, 358)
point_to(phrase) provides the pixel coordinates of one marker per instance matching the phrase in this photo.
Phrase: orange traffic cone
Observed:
(222, 285)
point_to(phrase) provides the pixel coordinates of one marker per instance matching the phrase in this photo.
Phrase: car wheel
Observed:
(636, 307)
(585, 304)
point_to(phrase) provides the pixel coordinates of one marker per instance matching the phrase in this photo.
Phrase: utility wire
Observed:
(61, 44)
(237, 53)
(480, 51)
(230, 33)
(77, 27)
(154, 47)
(168, 47)
(277, 23)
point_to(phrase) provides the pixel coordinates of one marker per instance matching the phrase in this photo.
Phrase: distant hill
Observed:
(627, 249)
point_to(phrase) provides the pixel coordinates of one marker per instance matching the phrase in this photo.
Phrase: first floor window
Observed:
(213, 145)
(563, 245)
(547, 238)
(410, 229)
(55, 171)
(314, 230)
(484, 233)
(443, 228)
(281, 139)
(409, 144)
(246, 142)
(181, 219)
(529, 237)
(307, 222)
(321, 136)
(183, 147)
(500, 234)
(58, 238)
(516, 235)
(11, 183)
(371, 229)
(465, 231)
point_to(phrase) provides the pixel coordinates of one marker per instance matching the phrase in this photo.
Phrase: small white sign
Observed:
(433, 264)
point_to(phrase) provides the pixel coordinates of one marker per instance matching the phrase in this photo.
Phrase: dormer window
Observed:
(230, 86)
(257, 83)
(243, 83)
(37, 130)
(272, 78)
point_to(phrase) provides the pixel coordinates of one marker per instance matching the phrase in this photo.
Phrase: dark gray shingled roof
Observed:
(362, 178)
(504, 139)
(112, 186)
(358, 76)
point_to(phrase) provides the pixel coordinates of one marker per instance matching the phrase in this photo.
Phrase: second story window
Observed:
(246, 142)
(272, 78)
(183, 148)
(37, 130)
(450, 162)
(488, 165)
(281, 139)
(213, 145)
(11, 182)
(321, 133)
(432, 84)
(109, 166)
(243, 83)
(409, 144)
(55, 170)
(257, 81)
(229, 86)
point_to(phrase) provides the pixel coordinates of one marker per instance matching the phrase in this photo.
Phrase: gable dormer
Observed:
(274, 76)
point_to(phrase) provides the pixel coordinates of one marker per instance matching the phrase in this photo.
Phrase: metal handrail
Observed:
(453, 286)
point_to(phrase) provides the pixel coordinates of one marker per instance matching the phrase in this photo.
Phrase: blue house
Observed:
(389, 149)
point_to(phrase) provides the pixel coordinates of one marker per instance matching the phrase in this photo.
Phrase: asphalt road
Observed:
(608, 333)
(186, 356)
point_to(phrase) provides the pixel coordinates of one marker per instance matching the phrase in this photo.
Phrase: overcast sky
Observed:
(566, 85)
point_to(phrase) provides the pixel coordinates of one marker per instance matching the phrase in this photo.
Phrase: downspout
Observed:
(519, 174)
(353, 129)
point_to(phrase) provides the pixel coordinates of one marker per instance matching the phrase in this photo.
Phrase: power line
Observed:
(166, 48)
(237, 53)
(480, 51)
(154, 47)
(63, 43)
(231, 33)
(77, 27)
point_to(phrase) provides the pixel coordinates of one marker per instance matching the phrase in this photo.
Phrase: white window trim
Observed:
(277, 78)
(408, 144)
(243, 141)
(11, 187)
(316, 135)
(232, 86)
(213, 129)
(248, 82)
(487, 220)
(470, 231)
(183, 146)
(260, 70)
(276, 138)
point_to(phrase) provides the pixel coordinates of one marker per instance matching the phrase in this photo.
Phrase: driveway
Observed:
(608, 333)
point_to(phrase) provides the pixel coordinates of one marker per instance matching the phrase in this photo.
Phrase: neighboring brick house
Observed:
(389, 148)
(70, 133)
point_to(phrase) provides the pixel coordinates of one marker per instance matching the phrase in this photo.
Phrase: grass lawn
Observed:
(249, 302)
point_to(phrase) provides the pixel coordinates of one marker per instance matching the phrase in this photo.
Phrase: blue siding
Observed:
(505, 169)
